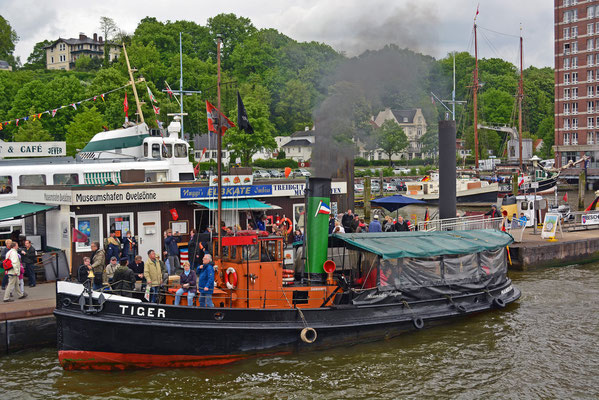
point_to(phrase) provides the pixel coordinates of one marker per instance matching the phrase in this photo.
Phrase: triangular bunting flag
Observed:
(74, 106)
(102, 96)
(156, 109)
(54, 112)
(151, 96)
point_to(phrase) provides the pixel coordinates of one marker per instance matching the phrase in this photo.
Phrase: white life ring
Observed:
(233, 283)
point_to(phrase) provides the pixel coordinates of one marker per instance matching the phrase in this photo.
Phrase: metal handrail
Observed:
(472, 222)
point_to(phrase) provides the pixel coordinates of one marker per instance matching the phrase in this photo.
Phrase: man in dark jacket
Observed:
(401, 225)
(493, 213)
(354, 224)
(83, 271)
(112, 247)
(98, 264)
(188, 284)
(346, 221)
(138, 269)
(172, 250)
(28, 259)
(124, 279)
(196, 249)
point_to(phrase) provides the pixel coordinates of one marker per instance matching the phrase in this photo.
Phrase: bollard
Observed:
(367, 199)
(581, 191)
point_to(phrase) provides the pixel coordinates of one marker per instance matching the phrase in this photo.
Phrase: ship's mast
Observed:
(219, 147)
(520, 96)
(474, 95)
(181, 83)
(141, 115)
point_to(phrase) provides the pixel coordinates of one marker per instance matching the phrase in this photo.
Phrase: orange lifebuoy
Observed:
(288, 271)
(233, 283)
(288, 223)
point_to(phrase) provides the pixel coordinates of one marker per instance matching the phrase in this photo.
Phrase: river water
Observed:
(545, 346)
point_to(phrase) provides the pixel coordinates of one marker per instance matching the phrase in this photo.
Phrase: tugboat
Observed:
(360, 288)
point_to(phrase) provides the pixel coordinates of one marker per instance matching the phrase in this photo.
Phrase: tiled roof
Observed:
(298, 142)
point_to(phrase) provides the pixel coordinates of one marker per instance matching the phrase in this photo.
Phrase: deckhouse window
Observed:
(66, 179)
(155, 150)
(167, 150)
(5, 184)
(145, 150)
(180, 150)
(32, 180)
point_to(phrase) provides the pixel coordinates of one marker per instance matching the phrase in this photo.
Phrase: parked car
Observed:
(259, 174)
(304, 172)
(375, 187)
(388, 187)
(358, 188)
(276, 173)
(400, 171)
(399, 184)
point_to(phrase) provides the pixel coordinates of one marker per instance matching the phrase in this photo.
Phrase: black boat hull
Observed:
(142, 335)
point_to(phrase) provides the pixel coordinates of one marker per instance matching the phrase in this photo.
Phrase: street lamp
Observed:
(534, 184)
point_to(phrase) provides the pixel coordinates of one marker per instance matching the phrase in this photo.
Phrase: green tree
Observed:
(37, 58)
(8, 39)
(546, 132)
(293, 109)
(391, 138)
(245, 145)
(86, 63)
(84, 126)
(32, 131)
(232, 29)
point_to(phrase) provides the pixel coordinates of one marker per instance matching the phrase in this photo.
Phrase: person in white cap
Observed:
(375, 225)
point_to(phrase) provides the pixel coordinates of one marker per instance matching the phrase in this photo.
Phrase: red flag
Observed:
(126, 107)
(566, 197)
(79, 237)
(174, 214)
(213, 115)
(156, 109)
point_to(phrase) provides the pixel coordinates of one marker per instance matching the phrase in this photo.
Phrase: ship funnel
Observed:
(318, 199)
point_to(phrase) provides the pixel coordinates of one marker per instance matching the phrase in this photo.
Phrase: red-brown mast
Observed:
(520, 96)
(219, 147)
(474, 93)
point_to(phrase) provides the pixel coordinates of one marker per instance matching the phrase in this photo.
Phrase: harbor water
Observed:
(545, 346)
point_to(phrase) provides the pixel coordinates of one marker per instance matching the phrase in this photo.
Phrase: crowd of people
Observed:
(119, 268)
(350, 222)
(20, 264)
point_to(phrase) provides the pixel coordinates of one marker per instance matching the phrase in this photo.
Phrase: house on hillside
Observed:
(5, 66)
(414, 126)
(298, 146)
(461, 150)
(62, 53)
(208, 142)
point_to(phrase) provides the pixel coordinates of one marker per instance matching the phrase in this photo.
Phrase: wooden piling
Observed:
(367, 199)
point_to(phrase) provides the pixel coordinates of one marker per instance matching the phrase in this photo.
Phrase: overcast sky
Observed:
(433, 27)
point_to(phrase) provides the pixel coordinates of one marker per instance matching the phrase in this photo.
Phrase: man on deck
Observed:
(375, 225)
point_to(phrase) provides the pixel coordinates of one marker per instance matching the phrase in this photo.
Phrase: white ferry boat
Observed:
(105, 159)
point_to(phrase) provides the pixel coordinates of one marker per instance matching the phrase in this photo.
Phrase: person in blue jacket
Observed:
(172, 251)
(206, 281)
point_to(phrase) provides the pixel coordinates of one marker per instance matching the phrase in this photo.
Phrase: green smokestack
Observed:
(317, 224)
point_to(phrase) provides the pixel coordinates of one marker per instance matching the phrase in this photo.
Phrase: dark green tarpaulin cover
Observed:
(21, 210)
(427, 244)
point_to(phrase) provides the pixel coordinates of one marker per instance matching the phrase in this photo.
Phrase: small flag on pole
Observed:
(126, 108)
(214, 115)
(242, 116)
(168, 89)
(79, 237)
(566, 197)
(54, 112)
(323, 208)
(156, 109)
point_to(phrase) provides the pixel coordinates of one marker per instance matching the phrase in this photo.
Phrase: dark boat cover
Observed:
(427, 244)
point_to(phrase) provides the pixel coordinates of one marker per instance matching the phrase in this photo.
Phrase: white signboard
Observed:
(33, 149)
(590, 219)
(551, 225)
(534, 185)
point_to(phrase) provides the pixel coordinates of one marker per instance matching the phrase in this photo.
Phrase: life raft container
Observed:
(232, 284)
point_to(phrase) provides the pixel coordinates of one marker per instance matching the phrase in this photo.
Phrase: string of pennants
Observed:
(74, 105)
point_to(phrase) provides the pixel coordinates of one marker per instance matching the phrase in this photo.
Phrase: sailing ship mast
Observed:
(219, 147)
(132, 82)
(474, 94)
(520, 96)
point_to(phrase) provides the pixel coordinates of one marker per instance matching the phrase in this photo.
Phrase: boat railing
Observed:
(472, 222)
(265, 298)
(581, 220)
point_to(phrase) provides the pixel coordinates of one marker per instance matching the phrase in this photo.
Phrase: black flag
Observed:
(242, 116)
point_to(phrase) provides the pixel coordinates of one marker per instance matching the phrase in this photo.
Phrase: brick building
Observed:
(576, 27)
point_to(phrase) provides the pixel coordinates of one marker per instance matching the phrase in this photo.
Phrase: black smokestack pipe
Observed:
(447, 169)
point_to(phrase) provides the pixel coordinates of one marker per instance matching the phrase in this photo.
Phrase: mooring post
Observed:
(581, 190)
(515, 184)
(447, 169)
(367, 199)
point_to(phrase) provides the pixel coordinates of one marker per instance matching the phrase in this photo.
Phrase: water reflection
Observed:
(543, 347)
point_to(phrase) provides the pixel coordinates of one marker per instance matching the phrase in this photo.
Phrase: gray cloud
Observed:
(434, 27)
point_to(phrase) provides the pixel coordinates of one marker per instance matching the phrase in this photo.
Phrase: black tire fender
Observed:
(498, 302)
(418, 322)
